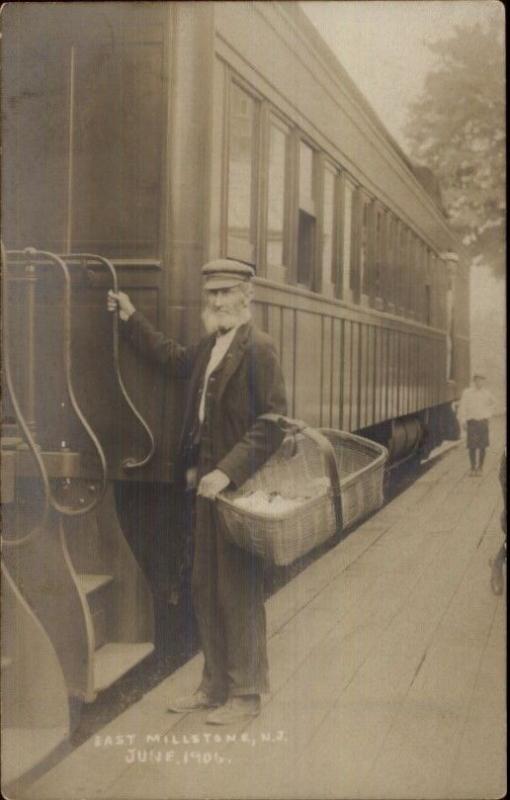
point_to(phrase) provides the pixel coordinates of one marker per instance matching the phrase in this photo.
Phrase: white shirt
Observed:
(222, 344)
(476, 404)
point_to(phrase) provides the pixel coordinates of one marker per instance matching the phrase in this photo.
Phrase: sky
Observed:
(382, 44)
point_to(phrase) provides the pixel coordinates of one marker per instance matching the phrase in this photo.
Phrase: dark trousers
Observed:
(228, 598)
(472, 457)
(477, 439)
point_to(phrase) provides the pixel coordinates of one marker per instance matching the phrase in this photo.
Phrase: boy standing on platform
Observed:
(476, 408)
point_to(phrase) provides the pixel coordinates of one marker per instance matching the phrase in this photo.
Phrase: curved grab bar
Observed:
(68, 511)
(21, 419)
(128, 463)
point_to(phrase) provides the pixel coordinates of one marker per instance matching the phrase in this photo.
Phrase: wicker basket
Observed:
(304, 456)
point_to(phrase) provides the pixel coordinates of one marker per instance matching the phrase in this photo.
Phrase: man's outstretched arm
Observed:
(152, 344)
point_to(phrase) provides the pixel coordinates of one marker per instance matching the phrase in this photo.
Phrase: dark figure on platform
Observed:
(476, 408)
(499, 561)
(233, 378)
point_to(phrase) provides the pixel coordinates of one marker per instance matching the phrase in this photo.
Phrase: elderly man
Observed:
(234, 377)
(476, 407)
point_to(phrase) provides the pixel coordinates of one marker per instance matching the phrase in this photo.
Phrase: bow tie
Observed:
(222, 331)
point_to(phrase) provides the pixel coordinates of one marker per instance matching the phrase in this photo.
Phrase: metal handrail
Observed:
(128, 463)
(32, 253)
(20, 418)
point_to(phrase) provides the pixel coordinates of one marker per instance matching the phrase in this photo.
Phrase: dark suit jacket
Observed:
(246, 384)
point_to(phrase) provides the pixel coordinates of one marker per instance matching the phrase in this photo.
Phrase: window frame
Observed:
(282, 272)
(327, 275)
(367, 202)
(344, 278)
(390, 266)
(378, 255)
(311, 210)
(233, 79)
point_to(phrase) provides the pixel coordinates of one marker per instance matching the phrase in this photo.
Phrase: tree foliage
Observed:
(457, 129)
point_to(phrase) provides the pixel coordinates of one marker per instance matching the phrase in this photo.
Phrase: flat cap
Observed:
(223, 273)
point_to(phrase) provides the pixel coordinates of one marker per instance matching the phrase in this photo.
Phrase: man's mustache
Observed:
(214, 320)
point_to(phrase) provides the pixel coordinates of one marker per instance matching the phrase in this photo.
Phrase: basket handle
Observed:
(293, 426)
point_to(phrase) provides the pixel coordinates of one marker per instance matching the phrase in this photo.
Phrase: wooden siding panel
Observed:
(347, 386)
(343, 367)
(308, 368)
(381, 366)
(371, 375)
(405, 373)
(336, 372)
(260, 315)
(391, 372)
(394, 374)
(381, 371)
(287, 357)
(355, 375)
(326, 356)
(377, 372)
(274, 327)
(414, 374)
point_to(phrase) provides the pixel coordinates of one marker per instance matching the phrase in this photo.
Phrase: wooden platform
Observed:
(387, 664)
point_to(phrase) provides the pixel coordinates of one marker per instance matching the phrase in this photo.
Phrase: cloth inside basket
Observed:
(288, 499)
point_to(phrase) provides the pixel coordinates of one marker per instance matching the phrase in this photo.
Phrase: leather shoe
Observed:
(236, 709)
(193, 702)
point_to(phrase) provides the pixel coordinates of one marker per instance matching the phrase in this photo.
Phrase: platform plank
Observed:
(387, 670)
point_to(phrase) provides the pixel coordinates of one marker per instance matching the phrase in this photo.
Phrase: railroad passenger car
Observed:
(162, 135)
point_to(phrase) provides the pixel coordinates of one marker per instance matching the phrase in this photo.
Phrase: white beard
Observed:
(225, 320)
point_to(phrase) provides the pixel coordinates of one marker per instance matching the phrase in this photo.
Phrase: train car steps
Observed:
(90, 583)
(115, 659)
(111, 660)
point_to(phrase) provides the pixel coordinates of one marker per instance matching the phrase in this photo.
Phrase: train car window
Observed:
(427, 286)
(390, 262)
(357, 211)
(434, 290)
(306, 248)
(328, 232)
(379, 257)
(418, 284)
(444, 295)
(409, 274)
(306, 178)
(346, 276)
(276, 230)
(370, 263)
(422, 280)
(242, 174)
(393, 260)
(364, 268)
(307, 220)
(401, 267)
(414, 256)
